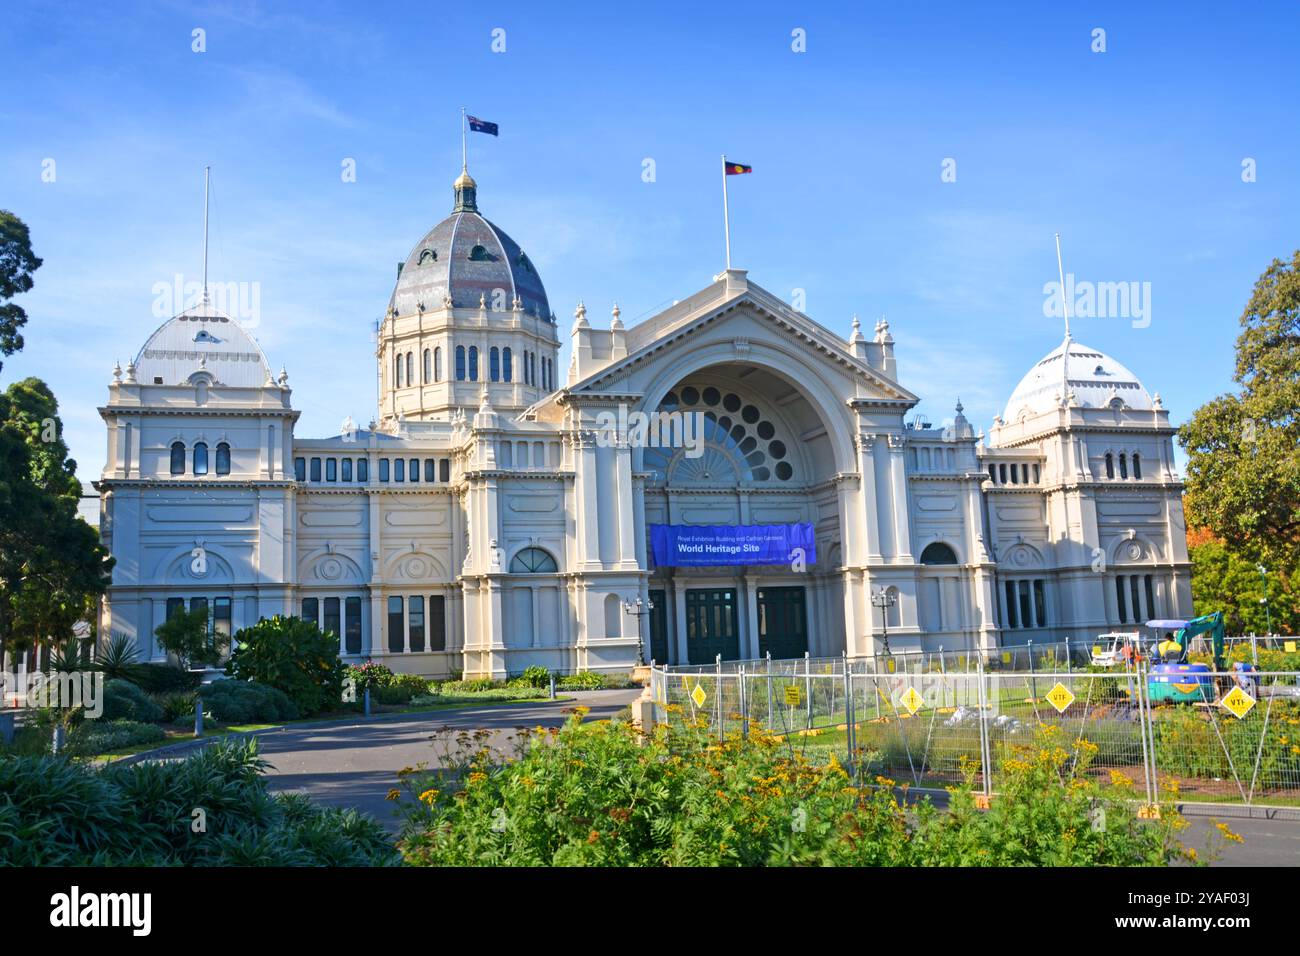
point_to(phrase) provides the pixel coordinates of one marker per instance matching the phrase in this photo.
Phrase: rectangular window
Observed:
(993, 472)
(363, 469)
(399, 469)
(1002, 471)
(331, 469)
(383, 469)
(198, 603)
(311, 610)
(430, 466)
(174, 607)
(415, 622)
(1151, 595)
(347, 469)
(1024, 474)
(1040, 602)
(300, 469)
(1026, 610)
(331, 624)
(444, 469)
(315, 469)
(1011, 604)
(1137, 604)
(415, 469)
(1037, 479)
(352, 625)
(396, 642)
(437, 622)
(221, 616)
(1119, 596)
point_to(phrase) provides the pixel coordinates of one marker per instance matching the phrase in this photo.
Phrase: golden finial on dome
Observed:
(464, 179)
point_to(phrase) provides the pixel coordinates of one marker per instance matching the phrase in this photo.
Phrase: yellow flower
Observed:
(429, 796)
(394, 794)
(478, 776)
(1228, 834)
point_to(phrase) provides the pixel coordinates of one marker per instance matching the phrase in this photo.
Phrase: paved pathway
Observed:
(355, 765)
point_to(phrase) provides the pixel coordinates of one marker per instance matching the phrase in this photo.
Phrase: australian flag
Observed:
(481, 126)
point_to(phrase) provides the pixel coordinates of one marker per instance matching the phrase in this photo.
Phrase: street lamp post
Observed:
(884, 599)
(639, 608)
(1268, 611)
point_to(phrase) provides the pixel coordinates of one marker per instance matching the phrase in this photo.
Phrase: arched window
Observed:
(428, 366)
(398, 374)
(1137, 466)
(460, 363)
(201, 459)
(1123, 466)
(938, 553)
(473, 363)
(223, 458)
(410, 368)
(506, 369)
(532, 368)
(1110, 465)
(178, 458)
(494, 364)
(532, 561)
(437, 364)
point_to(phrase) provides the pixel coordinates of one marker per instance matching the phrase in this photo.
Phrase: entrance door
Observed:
(659, 627)
(782, 622)
(711, 625)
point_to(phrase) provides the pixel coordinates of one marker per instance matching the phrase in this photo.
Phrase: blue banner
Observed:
(713, 545)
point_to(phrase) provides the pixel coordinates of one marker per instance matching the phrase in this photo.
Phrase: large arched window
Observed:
(178, 458)
(410, 368)
(398, 373)
(460, 363)
(494, 364)
(1110, 465)
(1137, 466)
(938, 553)
(532, 561)
(473, 363)
(223, 458)
(428, 366)
(201, 458)
(1123, 465)
(506, 369)
(437, 364)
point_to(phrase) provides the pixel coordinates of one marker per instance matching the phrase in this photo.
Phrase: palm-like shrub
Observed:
(119, 659)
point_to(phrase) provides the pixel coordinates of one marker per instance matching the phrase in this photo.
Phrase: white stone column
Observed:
(902, 511)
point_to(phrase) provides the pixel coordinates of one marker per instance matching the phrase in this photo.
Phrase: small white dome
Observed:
(202, 337)
(1094, 379)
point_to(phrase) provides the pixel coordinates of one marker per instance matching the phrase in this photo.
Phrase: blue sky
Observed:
(1134, 155)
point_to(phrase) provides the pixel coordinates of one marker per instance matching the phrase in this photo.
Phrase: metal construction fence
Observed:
(1233, 738)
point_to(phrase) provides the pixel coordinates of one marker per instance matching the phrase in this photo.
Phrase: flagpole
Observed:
(726, 214)
(463, 162)
(207, 170)
(1060, 269)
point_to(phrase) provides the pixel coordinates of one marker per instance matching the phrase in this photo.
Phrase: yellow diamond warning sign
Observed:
(792, 696)
(1238, 702)
(699, 696)
(911, 700)
(1060, 697)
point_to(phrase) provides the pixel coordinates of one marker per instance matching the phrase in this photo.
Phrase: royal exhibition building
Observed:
(726, 477)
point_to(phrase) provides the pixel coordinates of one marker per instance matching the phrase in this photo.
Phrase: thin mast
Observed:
(207, 170)
(464, 164)
(726, 215)
(1065, 308)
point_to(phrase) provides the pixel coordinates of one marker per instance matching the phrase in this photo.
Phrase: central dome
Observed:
(467, 260)
(1095, 379)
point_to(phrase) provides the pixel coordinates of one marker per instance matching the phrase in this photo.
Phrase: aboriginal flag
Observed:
(737, 169)
(481, 126)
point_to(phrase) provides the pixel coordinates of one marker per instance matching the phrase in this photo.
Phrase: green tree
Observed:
(185, 634)
(1243, 470)
(295, 656)
(17, 263)
(52, 566)
(1227, 581)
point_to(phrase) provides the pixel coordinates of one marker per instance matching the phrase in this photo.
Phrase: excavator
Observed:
(1176, 681)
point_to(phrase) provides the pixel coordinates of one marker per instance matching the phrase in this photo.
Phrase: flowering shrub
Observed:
(603, 794)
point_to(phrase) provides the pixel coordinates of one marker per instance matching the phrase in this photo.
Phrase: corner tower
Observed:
(468, 316)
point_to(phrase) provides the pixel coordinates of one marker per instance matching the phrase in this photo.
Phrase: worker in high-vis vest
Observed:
(1169, 649)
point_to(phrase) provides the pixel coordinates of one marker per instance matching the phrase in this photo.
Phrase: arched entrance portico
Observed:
(755, 449)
